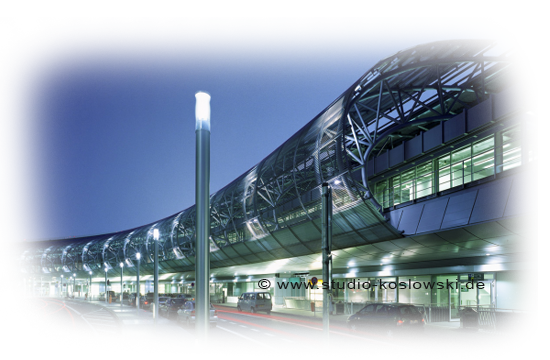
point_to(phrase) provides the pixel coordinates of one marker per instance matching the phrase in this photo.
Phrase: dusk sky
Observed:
(106, 140)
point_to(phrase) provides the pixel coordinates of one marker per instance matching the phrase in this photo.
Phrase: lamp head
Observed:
(202, 111)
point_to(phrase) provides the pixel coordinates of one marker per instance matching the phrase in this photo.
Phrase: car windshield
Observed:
(408, 310)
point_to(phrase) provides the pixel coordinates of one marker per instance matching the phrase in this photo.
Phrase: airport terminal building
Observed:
(428, 157)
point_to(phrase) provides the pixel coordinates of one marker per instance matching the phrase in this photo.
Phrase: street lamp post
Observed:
(156, 280)
(90, 288)
(106, 281)
(202, 201)
(326, 246)
(138, 257)
(121, 288)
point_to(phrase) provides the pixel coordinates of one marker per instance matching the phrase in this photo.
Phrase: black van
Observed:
(389, 319)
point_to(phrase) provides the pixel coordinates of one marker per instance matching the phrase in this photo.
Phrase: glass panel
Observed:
(484, 295)
(483, 161)
(461, 155)
(454, 293)
(407, 186)
(467, 296)
(382, 193)
(395, 197)
(511, 149)
(424, 175)
(457, 173)
(483, 165)
(444, 173)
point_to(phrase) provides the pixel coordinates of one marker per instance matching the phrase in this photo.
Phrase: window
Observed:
(423, 182)
(511, 150)
(461, 166)
(368, 309)
(384, 311)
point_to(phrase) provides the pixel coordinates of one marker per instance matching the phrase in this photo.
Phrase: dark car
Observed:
(186, 296)
(146, 301)
(186, 314)
(132, 299)
(389, 318)
(170, 308)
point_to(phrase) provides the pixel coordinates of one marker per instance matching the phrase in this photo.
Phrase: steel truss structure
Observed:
(273, 211)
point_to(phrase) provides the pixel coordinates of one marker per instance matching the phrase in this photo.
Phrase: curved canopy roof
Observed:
(273, 211)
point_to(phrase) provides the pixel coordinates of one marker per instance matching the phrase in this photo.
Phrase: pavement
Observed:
(170, 337)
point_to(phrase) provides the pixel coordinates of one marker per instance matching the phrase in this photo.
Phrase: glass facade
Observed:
(469, 163)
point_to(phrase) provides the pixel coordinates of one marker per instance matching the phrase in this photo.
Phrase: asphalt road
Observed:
(114, 327)
(77, 320)
(242, 332)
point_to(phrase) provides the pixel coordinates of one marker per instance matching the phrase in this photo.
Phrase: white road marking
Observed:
(241, 335)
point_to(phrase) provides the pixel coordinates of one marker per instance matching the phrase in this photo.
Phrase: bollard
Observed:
(153, 308)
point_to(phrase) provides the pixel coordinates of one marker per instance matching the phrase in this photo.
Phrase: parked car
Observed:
(390, 318)
(186, 314)
(185, 296)
(146, 300)
(170, 308)
(132, 299)
(255, 301)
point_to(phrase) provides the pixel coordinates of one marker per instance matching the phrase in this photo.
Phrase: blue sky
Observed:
(97, 116)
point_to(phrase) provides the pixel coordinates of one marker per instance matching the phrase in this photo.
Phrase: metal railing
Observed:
(490, 318)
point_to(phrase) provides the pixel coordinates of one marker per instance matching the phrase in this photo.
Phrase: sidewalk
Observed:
(447, 331)
(138, 330)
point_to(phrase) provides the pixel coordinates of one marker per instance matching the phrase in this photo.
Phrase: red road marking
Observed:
(303, 339)
(336, 330)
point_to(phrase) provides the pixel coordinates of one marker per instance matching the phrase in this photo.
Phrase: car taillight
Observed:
(423, 320)
(146, 303)
(193, 312)
(399, 322)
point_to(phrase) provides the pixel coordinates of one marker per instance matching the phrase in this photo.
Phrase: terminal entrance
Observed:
(482, 295)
